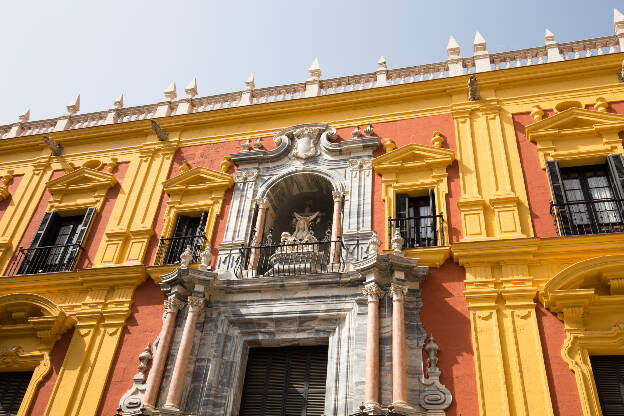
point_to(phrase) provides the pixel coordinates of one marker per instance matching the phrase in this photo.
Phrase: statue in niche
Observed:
(302, 223)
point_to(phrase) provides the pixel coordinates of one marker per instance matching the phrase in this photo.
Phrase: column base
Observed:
(403, 408)
(171, 407)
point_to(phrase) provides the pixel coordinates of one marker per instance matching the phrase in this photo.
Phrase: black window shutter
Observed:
(48, 226)
(78, 238)
(13, 386)
(609, 379)
(616, 172)
(559, 198)
(434, 219)
(181, 226)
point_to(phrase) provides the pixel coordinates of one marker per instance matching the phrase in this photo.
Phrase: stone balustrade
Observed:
(314, 86)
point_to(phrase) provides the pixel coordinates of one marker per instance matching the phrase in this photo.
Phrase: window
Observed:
(285, 381)
(56, 245)
(416, 219)
(588, 199)
(609, 378)
(13, 386)
(188, 231)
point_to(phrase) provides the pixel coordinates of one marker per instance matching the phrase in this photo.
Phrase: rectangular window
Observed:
(13, 386)
(285, 382)
(416, 219)
(56, 245)
(188, 232)
(586, 199)
(609, 378)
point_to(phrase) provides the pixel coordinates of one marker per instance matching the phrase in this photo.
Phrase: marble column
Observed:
(371, 392)
(262, 205)
(336, 231)
(399, 363)
(172, 306)
(179, 370)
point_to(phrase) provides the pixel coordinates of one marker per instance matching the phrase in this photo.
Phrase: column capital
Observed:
(173, 304)
(339, 195)
(397, 291)
(373, 292)
(195, 303)
(262, 203)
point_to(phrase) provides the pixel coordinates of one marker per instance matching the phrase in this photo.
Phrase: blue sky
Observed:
(53, 50)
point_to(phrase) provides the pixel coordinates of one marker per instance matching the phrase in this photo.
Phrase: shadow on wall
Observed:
(445, 314)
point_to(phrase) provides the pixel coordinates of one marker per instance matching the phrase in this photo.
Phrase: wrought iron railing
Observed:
(291, 259)
(425, 231)
(45, 259)
(170, 249)
(597, 216)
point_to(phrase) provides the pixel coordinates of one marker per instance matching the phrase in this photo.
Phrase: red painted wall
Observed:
(207, 156)
(561, 380)
(12, 187)
(445, 315)
(142, 327)
(42, 395)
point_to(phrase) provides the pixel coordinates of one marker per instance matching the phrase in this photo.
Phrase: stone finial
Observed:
(481, 55)
(191, 88)
(55, 148)
(74, 105)
(373, 245)
(356, 133)
(368, 131)
(314, 70)
(389, 145)
(226, 163)
(170, 92)
(144, 358)
(25, 116)
(473, 89)
(432, 350)
(397, 243)
(552, 48)
(184, 167)
(118, 104)
(452, 48)
(205, 256)
(601, 105)
(132, 401)
(537, 113)
(618, 21)
(257, 144)
(186, 257)
(250, 84)
(161, 133)
(437, 139)
(382, 64)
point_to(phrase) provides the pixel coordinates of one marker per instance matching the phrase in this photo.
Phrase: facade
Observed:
(442, 239)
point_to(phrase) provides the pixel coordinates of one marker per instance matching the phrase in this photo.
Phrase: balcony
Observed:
(418, 232)
(291, 258)
(597, 216)
(170, 249)
(45, 259)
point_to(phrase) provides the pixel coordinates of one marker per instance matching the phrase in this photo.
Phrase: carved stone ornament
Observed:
(186, 257)
(55, 147)
(373, 292)
(195, 303)
(397, 243)
(246, 176)
(373, 244)
(205, 257)
(132, 401)
(397, 291)
(432, 351)
(473, 89)
(173, 304)
(306, 142)
(161, 133)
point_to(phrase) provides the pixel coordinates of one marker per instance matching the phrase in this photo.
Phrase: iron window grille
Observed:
(188, 232)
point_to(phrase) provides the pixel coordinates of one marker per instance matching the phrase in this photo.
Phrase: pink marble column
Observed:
(259, 230)
(172, 306)
(371, 391)
(179, 369)
(336, 227)
(399, 364)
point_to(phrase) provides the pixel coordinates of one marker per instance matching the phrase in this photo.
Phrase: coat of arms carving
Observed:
(305, 143)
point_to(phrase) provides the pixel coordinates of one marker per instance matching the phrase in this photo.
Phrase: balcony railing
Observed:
(170, 249)
(270, 259)
(597, 216)
(46, 259)
(425, 231)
